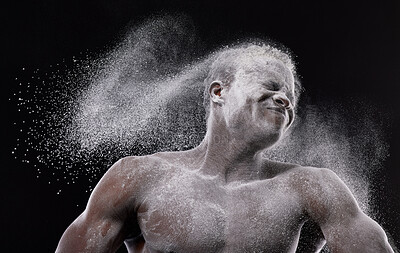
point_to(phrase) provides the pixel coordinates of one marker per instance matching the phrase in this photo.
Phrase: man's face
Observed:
(259, 103)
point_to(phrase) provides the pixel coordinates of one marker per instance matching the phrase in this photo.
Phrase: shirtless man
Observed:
(223, 196)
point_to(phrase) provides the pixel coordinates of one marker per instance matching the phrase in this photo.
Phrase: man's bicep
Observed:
(345, 227)
(92, 234)
(102, 226)
(356, 234)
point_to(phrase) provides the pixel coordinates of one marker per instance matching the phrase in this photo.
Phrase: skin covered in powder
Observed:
(223, 196)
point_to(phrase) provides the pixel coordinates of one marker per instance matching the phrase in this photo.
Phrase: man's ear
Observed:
(215, 92)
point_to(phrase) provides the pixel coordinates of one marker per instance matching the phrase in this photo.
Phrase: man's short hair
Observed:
(228, 61)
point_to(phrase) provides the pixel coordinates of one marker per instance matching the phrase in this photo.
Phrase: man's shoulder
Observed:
(140, 162)
(321, 190)
(312, 173)
(126, 183)
(140, 166)
(300, 173)
(307, 178)
(134, 171)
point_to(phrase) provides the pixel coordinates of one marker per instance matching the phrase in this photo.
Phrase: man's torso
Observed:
(185, 211)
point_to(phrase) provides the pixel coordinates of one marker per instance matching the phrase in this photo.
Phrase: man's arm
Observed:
(345, 227)
(102, 227)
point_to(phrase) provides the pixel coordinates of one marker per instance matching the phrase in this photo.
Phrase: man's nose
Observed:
(281, 101)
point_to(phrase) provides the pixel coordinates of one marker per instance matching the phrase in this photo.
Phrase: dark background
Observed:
(345, 49)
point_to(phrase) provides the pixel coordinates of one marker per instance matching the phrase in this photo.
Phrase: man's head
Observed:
(252, 89)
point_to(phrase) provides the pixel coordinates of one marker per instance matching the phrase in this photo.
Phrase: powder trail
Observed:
(146, 96)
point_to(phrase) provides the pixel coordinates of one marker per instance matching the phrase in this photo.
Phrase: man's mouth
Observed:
(268, 104)
(277, 109)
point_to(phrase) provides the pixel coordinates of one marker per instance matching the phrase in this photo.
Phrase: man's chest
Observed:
(186, 215)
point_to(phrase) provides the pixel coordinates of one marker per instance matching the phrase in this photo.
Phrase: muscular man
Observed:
(223, 196)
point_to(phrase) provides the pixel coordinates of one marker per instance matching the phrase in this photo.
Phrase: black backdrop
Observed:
(344, 49)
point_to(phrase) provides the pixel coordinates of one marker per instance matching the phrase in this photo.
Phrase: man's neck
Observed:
(228, 157)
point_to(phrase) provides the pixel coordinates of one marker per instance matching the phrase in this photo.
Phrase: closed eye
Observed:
(272, 86)
(264, 97)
